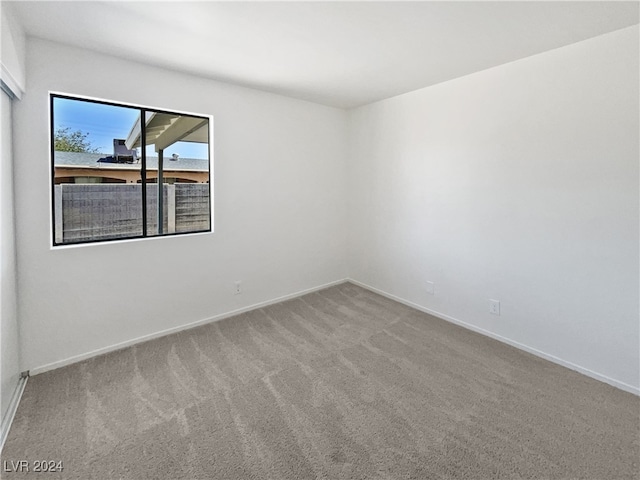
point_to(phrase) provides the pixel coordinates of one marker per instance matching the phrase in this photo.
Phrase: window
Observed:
(122, 171)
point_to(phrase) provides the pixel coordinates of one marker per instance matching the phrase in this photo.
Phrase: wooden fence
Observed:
(106, 211)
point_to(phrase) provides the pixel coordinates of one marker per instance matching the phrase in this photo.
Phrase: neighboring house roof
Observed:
(76, 159)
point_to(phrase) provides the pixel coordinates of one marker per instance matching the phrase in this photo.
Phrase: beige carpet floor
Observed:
(338, 384)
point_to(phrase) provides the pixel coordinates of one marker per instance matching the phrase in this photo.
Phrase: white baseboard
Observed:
(169, 331)
(552, 358)
(10, 414)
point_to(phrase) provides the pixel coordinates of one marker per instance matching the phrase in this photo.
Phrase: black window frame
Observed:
(143, 168)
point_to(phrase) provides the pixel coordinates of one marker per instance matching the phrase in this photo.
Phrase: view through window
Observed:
(122, 172)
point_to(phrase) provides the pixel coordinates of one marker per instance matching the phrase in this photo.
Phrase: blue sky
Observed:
(103, 123)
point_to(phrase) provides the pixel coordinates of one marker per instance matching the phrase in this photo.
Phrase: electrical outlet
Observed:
(430, 288)
(494, 307)
(238, 290)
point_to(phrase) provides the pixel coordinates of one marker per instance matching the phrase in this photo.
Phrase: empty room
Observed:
(320, 240)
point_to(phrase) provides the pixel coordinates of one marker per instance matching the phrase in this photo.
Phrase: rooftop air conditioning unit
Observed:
(121, 154)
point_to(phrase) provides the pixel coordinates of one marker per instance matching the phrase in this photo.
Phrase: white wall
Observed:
(518, 183)
(12, 51)
(9, 346)
(279, 207)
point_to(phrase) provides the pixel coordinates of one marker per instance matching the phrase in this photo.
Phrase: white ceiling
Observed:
(342, 54)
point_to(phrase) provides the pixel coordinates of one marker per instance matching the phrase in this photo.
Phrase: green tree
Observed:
(67, 141)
